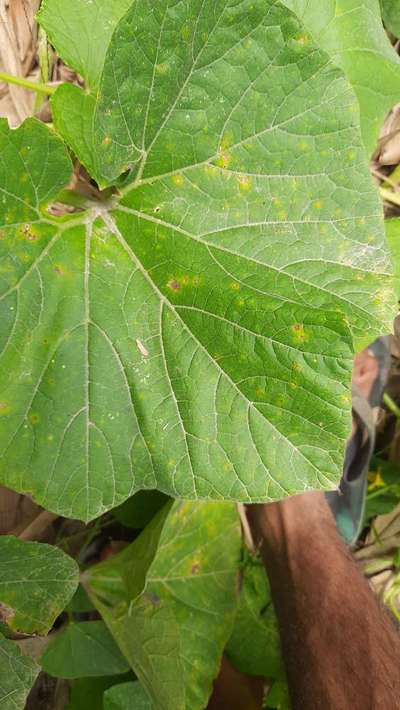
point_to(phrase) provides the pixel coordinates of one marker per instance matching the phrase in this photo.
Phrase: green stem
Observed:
(26, 84)
(391, 405)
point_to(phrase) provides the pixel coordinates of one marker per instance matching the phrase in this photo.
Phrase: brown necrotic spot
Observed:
(174, 285)
(6, 613)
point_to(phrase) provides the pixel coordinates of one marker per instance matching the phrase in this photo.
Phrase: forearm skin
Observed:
(341, 650)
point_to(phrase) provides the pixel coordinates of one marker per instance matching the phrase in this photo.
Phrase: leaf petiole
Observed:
(26, 84)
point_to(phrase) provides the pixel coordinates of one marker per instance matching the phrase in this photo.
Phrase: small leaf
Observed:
(80, 31)
(17, 676)
(80, 602)
(391, 16)
(127, 696)
(34, 167)
(88, 693)
(352, 34)
(36, 583)
(278, 696)
(139, 510)
(174, 632)
(254, 646)
(83, 650)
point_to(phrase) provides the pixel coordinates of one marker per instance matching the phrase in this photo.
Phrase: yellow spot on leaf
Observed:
(33, 418)
(178, 180)
(227, 140)
(224, 158)
(245, 183)
(234, 285)
(303, 39)
(186, 32)
(299, 334)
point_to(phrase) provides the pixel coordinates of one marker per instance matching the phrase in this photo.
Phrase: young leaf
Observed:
(127, 696)
(36, 583)
(174, 632)
(254, 646)
(88, 693)
(352, 33)
(139, 510)
(83, 650)
(181, 335)
(17, 676)
(81, 31)
(278, 696)
(80, 602)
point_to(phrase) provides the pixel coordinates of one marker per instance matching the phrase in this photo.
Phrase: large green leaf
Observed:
(83, 650)
(352, 33)
(36, 583)
(17, 676)
(81, 31)
(173, 631)
(181, 335)
(127, 696)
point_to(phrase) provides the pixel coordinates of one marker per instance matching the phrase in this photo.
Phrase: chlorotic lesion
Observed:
(4, 407)
(299, 333)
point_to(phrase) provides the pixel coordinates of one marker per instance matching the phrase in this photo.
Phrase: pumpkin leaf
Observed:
(81, 31)
(180, 334)
(17, 675)
(83, 650)
(36, 583)
(254, 646)
(127, 696)
(173, 632)
(353, 35)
